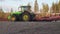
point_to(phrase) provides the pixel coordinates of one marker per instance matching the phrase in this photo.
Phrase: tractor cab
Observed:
(25, 8)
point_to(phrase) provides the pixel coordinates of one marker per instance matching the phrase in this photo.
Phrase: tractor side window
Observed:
(24, 9)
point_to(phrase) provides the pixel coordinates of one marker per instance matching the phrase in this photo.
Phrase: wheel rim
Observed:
(25, 17)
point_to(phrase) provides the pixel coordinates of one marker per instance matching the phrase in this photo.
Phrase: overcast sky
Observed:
(8, 4)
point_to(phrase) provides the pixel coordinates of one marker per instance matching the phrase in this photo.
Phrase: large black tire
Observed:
(25, 16)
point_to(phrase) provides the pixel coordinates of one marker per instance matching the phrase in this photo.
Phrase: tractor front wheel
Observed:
(13, 18)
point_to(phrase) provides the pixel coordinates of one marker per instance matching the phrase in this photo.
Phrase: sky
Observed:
(6, 5)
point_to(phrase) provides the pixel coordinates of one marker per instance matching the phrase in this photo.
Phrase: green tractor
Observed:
(24, 15)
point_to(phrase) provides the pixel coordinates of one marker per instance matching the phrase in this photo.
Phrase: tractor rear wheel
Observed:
(25, 16)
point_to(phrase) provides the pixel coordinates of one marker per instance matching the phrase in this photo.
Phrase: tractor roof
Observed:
(25, 6)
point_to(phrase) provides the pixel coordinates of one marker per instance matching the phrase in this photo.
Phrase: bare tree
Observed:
(45, 9)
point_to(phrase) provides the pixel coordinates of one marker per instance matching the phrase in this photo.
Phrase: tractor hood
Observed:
(19, 12)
